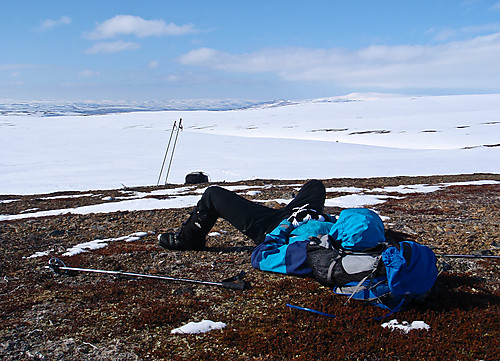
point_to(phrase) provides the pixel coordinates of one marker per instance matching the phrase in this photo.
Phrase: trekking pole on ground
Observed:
(166, 151)
(234, 283)
(468, 256)
(173, 148)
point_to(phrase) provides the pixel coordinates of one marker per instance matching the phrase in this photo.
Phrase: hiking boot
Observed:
(174, 241)
(171, 240)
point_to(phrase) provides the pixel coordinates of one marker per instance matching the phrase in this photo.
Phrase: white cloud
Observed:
(153, 64)
(485, 28)
(471, 63)
(447, 34)
(207, 56)
(469, 3)
(10, 67)
(112, 47)
(496, 7)
(172, 78)
(135, 25)
(49, 24)
(89, 73)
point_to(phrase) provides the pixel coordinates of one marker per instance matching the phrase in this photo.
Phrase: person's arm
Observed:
(276, 254)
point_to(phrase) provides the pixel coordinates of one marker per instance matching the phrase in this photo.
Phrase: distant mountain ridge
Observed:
(64, 108)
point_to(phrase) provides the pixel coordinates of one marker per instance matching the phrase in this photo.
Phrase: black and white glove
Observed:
(303, 214)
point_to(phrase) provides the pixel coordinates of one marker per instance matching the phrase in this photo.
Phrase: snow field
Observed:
(355, 136)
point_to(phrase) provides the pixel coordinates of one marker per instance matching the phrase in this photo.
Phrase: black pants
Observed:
(252, 219)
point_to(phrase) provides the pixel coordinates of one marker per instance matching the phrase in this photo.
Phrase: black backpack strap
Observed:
(330, 269)
(406, 250)
(369, 276)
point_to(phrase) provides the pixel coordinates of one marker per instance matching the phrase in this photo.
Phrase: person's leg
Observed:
(312, 193)
(252, 219)
(257, 220)
(248, 217)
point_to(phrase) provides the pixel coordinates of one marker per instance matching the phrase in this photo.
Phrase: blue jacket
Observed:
(284, 249)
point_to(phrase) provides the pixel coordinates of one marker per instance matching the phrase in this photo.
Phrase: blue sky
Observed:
(258, 50)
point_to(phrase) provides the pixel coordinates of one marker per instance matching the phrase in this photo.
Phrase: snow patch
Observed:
(40, 254)
(101, 243)
(5, 201)
(181, 198)
(86, 246)
(345, 190)
(199, 327)
(356, 201)
(91, 245)
(408, 189)
(253, 193)
(405, 326)
(69, 196)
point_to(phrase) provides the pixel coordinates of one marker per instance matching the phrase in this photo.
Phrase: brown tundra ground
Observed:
(44, 316)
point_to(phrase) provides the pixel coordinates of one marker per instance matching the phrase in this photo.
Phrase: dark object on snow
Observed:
(196, 177)
(235, 282)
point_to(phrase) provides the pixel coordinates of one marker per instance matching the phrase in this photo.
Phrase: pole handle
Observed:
(236, 282)
(235, 285)
(55, 265)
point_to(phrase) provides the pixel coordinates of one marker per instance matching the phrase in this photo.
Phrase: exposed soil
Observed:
(44, 316)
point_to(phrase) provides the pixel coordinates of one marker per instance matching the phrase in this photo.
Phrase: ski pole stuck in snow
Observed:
(180, 127)
(236, 282)
(174, 127)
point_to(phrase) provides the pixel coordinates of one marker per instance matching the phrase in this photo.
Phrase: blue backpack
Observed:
(385, 275)
(404, 270)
